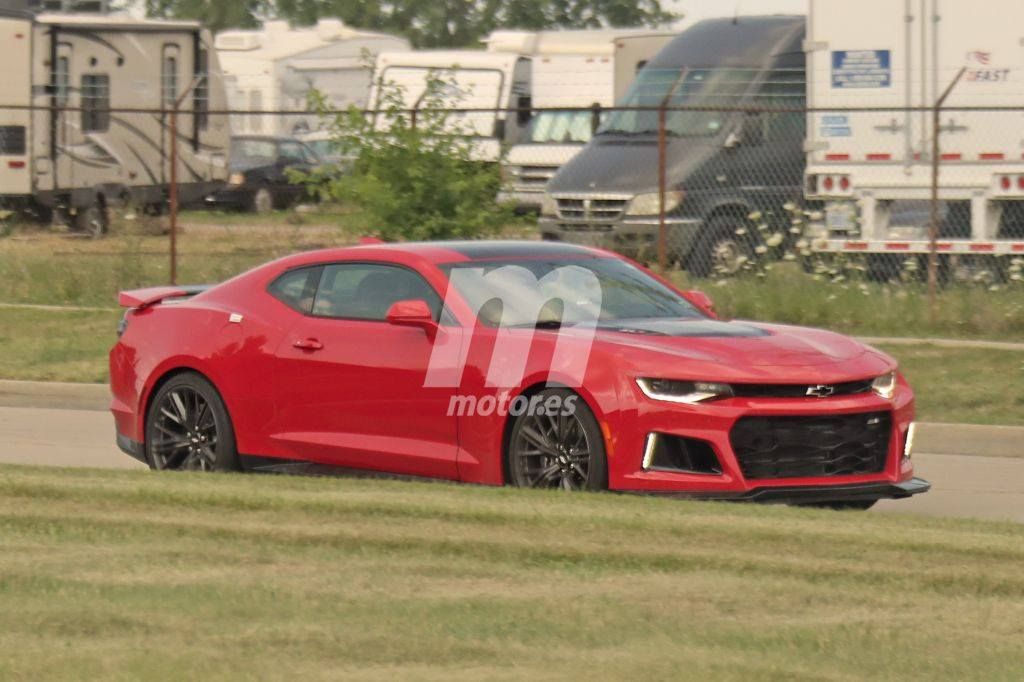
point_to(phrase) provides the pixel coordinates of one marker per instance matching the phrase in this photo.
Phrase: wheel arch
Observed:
(161, 380)
(529, 390)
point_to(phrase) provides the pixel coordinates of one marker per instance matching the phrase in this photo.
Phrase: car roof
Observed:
(439, 252)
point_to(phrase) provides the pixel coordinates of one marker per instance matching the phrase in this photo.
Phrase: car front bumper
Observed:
(737, 477)
(238, 198)
(625, 235)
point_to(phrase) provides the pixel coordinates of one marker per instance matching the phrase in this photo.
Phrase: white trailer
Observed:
(571, 69)
(873, 169)
(497, 84)
(276, 67)
(67, 145)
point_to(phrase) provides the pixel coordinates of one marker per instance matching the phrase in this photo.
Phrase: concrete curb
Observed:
(942, 343)
(933, 439)
(54, 395)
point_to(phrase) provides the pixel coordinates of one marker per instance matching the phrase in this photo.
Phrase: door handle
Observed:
(308, 344)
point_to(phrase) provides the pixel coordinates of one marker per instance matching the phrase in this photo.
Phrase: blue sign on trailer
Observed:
(861, 69)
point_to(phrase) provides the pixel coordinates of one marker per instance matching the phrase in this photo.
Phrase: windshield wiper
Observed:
(626, 133)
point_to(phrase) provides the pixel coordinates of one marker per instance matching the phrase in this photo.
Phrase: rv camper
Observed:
(65, 145)
(720, 165)
(573, 69)
(495, 85)
(276, 67)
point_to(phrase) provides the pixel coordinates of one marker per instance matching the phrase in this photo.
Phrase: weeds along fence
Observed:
(923, 197)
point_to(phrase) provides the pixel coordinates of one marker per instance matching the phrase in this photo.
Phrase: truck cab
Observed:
(733, 149)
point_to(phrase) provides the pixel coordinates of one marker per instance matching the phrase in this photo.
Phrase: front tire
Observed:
(561, 448)
(262, 201)
(722, 248)
(188, 427)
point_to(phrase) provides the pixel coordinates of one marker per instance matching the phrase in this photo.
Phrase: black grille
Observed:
(803, 447)
(801, 390)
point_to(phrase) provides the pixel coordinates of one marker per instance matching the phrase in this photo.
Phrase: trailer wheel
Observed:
(92, 220)
(722, 247)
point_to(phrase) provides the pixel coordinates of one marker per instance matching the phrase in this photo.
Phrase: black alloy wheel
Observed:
(188, 428)
(560, 448)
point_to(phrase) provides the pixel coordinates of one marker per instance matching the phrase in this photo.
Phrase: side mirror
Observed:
(701, 302)
(413, 313)
(752, 130)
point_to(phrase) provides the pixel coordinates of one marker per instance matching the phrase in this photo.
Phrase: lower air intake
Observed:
(806, 447)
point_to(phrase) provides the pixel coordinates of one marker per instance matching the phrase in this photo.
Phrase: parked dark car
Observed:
(258, 179)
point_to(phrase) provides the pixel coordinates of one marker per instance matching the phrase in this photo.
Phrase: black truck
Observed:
(722, 165)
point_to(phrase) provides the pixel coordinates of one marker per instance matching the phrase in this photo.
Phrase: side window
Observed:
(291, 152)
(784, 89)
(365, 291)
(297, 288)
(95, 103)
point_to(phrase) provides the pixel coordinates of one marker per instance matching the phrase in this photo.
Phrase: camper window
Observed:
(202, 91)
(169, 81)
(61, 81)
(95, 103)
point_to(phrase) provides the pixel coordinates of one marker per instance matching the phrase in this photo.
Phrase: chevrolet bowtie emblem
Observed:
(821, 391)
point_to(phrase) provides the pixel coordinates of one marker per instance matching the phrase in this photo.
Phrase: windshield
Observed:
(251, 153)
(689, 88)
(524, 293)
(561, 127)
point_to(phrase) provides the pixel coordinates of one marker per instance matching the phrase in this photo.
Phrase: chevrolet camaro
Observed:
(531, 364)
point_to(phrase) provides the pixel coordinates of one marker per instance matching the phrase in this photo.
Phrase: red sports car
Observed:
(523, 363)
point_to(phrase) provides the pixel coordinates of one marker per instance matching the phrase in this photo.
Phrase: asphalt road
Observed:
(963, 485)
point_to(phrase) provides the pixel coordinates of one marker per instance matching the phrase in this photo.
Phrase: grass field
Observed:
(953, 385)
(132, 575)
(42, 267)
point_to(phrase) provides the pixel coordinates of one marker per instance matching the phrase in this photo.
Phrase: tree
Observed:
(462, 23)
(412, 177)
(216, 15)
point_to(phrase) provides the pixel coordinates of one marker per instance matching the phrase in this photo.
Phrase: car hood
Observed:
(630, 164)
(742, 351)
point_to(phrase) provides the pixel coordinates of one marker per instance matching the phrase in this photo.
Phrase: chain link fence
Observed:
(715, 190)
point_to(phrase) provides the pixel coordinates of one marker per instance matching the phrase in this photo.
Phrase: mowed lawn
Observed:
(953, 385)
(135, 575)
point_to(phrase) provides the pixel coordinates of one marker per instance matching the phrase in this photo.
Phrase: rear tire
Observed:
(719, 248)
(188, 427)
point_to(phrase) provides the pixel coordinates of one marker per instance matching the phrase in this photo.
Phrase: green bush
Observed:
(413, 176)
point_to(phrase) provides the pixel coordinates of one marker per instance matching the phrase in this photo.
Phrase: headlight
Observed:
(236, 179)
(885, 385)
(548, 205)
(650, 204)
(689, 392)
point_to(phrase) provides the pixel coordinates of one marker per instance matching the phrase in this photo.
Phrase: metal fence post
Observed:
(172, 193)
(662, 227)
(172, 190)
(933, 227)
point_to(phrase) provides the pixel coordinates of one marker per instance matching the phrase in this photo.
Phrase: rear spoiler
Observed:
(143, 298)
